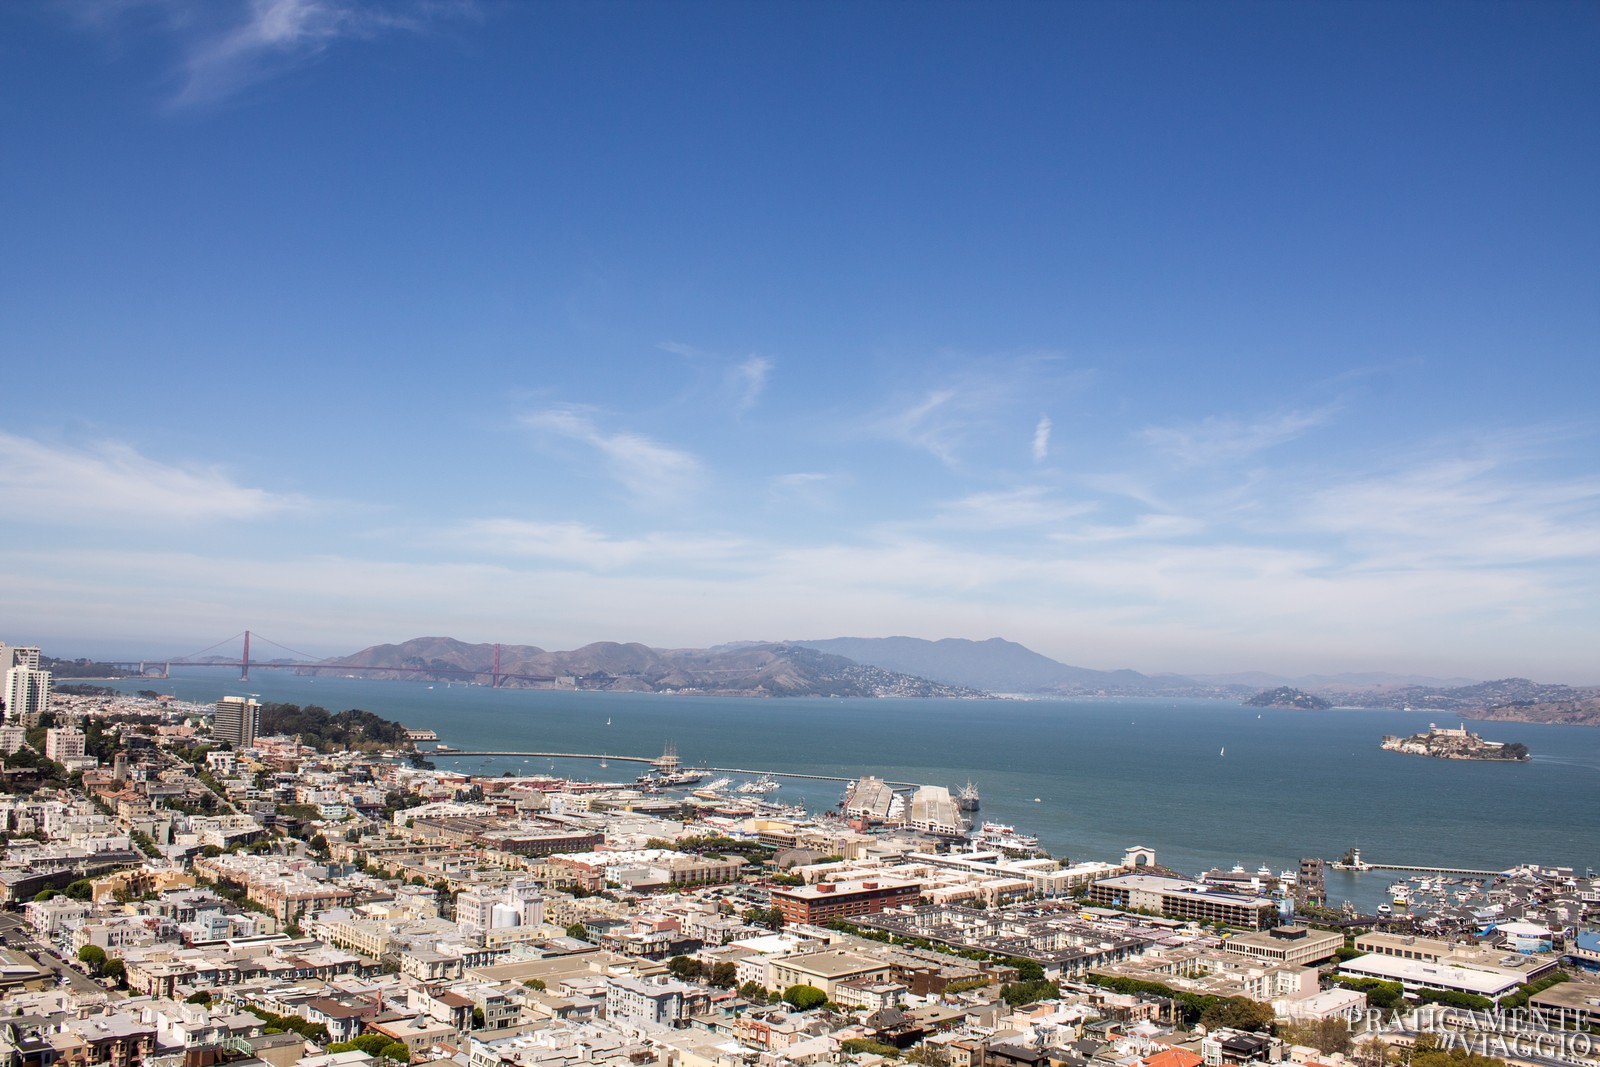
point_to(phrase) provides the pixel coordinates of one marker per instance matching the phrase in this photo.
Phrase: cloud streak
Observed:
(738, 382)
(227, 46)
(748, 379)
(956, 416)
(1215, 440)
(1011, 509)
(111, 481)
(583, 545)
(652, 472)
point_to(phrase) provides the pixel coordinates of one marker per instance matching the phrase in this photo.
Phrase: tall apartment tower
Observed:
(237, 721)
(27, 694)
(18, 656)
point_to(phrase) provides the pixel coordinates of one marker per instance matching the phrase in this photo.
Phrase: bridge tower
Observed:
(494, 673)
(244, 675)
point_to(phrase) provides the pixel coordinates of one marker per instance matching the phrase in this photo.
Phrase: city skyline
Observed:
(1179, 338)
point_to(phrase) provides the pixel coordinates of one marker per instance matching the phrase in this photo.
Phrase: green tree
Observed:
(1388, 996)
(804, 997)
(536, 984)
(92, 956)
(201, 997)
(45, 894)
(477, 1018)
(724, 975)
(578, 932)
(372, 1044)
(1017, 994)
(397, 1051)
(1324, 1035)
(1238, 1013)
(82, 889)
(1027, 970)
(754, 991)
(685, 967)
(115, 968)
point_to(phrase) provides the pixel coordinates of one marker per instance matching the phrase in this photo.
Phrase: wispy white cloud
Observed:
(960, 411)
(1216, 439)
(1461, 512)
(748, 378)
(583, 545)
(738, 382)
(110, 481)
(933, 423)
(225, 46)
(812, 489)
(1149, 527)
(1011, 509)
(651, 471)
(1041, 439)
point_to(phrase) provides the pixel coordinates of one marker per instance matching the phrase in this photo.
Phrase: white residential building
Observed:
(62, 743)
(661, 1000)
(496, 914)
(27, 694)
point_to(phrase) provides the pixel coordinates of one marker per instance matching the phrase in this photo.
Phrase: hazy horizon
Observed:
(263, 650)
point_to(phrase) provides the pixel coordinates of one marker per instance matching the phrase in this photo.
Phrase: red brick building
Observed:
(827, 901)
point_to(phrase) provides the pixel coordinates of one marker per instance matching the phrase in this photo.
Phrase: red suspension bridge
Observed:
(161, 666)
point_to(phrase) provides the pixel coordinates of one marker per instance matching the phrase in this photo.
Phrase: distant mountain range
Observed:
(743, 670)
(995, 666)
(953, 667)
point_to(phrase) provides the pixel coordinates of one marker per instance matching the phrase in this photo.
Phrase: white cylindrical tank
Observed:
(503, 915)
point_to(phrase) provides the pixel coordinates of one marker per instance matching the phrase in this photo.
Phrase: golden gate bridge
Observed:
(161, 666)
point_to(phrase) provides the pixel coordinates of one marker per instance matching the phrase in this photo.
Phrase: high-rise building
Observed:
(27, 694)
(18, 656)
(237, 721)
(1312, 885)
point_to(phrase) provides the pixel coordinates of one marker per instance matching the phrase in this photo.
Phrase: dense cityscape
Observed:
(241, 883)
(799, 533)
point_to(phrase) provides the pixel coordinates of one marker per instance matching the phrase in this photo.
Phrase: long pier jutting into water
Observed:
(451, 753)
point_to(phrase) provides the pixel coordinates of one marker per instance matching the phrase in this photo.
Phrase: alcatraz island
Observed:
(1458, 743)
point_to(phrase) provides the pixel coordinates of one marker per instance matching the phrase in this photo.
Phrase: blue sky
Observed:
(1193, 337)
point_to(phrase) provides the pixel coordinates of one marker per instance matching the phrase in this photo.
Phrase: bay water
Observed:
(1204, 783)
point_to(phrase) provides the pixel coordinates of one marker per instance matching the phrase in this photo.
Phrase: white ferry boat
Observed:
(1004, 838)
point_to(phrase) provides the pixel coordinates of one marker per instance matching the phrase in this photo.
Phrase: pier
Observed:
(431, 754)
(1362, 865)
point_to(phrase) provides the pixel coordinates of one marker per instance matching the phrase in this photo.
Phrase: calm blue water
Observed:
(1108, 774)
